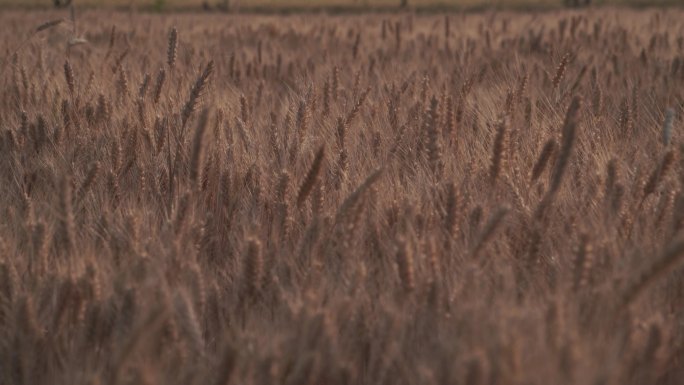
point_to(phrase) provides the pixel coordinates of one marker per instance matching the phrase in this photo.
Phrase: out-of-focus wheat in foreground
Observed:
(378, 199)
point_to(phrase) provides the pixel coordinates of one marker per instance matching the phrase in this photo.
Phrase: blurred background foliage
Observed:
(161, 5)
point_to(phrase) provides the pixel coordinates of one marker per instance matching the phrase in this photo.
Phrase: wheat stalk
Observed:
(311, 177)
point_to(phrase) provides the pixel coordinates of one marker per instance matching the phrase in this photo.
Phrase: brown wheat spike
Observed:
(616, 198)
(254, 267)
(24, 77)
(635, 104)
(376, 144)
(529, 112)
(659, 173)
(500, 150)
(355, 48)
(122, 85)
(434, 147)
(326, 98)
(159, 84)
(253, 182)
(10, 140)
(357, 107)
(667, 202)
(549, 148)
(274, 136)
(140, 105)
(342, 167)
(318, 199)
(335, 82)
(283, 187)
(9, 283)
(341, 132)
(88, 182)
(563, 158)
(67, 225)
(522, 88)
(66, 114)
(424, 87)
(452, 210)
(49, 24)
(568, 140)
(103, 110)
(69, 76)
(40, 248)
(112, 41)
(560, 71)
(225, 190)
(597, 100)
(39, 133)
(196, 91)
(144, 86)
(28, 208)
(173, 47)
(584, 261)
(668, 262)
(282, 194)
(347, 206)
(113, 181)
(508, 104)
(405, 268)
(24, 125)
(302, 120)
(450, 119)
(93, 283)
(489, 229)
(625, 119)
(678, 213)
(119, 61)
(244, 109)
(181, 213)
(197, 154)
(311, 177)
(612, 178)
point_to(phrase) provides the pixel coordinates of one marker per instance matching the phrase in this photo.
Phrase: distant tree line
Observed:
(570, 3)
(576, 3)
(404, 3)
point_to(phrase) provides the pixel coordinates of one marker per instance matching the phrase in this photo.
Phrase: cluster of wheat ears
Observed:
(472, 199)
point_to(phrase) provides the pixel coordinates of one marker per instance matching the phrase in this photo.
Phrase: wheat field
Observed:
(480, 198)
